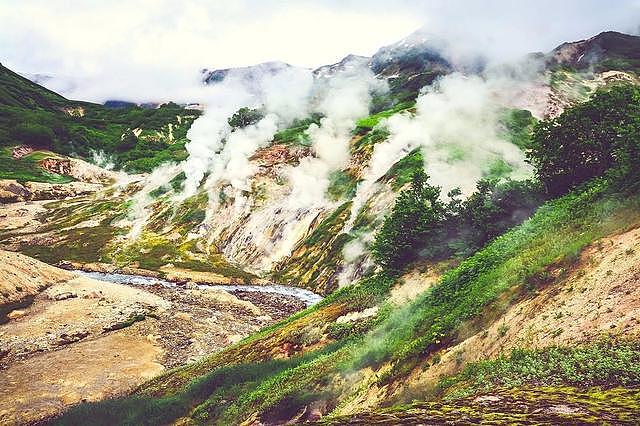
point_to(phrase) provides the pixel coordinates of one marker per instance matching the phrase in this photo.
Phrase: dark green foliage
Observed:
(33, 115)
(589, 139)
(33, 134)
(245, 117)
(414, 230)
(518, 125)
(488, 212)
(17, 91)
(414, 221)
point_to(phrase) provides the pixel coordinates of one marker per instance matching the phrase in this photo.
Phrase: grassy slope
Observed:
(397, 339)
(78, 128)
(27, 168)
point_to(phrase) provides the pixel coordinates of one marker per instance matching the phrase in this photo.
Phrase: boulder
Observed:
(16, 313)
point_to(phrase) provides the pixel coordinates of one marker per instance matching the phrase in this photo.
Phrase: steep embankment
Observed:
(22, 277)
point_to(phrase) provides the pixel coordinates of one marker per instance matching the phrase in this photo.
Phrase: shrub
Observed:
(587, 140)
(415, 218)
(32, 134)
(245, 117)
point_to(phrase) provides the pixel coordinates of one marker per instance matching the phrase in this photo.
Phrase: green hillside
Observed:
(137, 139)
(313, 362)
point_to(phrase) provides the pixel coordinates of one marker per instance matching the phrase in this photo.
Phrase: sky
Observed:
(153, 50)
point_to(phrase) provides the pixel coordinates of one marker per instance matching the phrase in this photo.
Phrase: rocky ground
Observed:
(203, 321)
(75, 338)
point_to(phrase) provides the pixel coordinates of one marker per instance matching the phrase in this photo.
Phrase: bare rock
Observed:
(65, 295)
(71, 337)
(16, 313)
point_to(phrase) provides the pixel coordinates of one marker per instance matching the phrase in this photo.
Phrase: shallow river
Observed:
(308, 297)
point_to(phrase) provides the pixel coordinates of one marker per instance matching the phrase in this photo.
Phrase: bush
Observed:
(32, 134)
(245, 117)
(587, 140)
(422, 226)
(415, 218)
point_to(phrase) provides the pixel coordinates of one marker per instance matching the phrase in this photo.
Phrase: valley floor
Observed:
(73, 338)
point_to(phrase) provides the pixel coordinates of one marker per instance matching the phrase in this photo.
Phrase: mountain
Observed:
(329, 70)
(605, 51)
(251, 77)
(18, 91)
(502, 287)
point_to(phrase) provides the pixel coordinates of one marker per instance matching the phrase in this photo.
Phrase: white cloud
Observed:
(152, 49)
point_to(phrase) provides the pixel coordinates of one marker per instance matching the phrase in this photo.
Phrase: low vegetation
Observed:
(505, 238)
(607, 363)
(137, 139)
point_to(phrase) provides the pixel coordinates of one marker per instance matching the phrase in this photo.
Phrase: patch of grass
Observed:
(79, 245)
(606, 363)
(368, 123)
(367, 141)
(27, 168)
(296, 134)
(205, 393)
(402, 172)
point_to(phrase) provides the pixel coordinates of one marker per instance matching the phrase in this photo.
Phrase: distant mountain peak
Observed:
(595, 51)
(349, 60)
(248, 73)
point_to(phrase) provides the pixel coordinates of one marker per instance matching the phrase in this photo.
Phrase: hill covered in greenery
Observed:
(136, 139)
(319, 366)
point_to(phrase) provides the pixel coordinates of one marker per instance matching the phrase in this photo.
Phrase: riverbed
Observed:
(308, 297)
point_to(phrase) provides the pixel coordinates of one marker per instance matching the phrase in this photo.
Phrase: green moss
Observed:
(402, 171)
(342, 185)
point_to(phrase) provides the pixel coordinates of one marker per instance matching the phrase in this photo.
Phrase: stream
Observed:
(306, 296)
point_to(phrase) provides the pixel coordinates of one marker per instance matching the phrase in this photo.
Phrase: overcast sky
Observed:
(154, 49)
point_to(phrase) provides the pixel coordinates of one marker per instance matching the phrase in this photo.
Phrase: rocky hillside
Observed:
(494, 289)
(469, 292)
(258, 229)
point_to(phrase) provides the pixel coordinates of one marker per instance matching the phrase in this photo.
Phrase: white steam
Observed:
(139, 211)
(456, 125)
(342, 99)
(215, 149)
